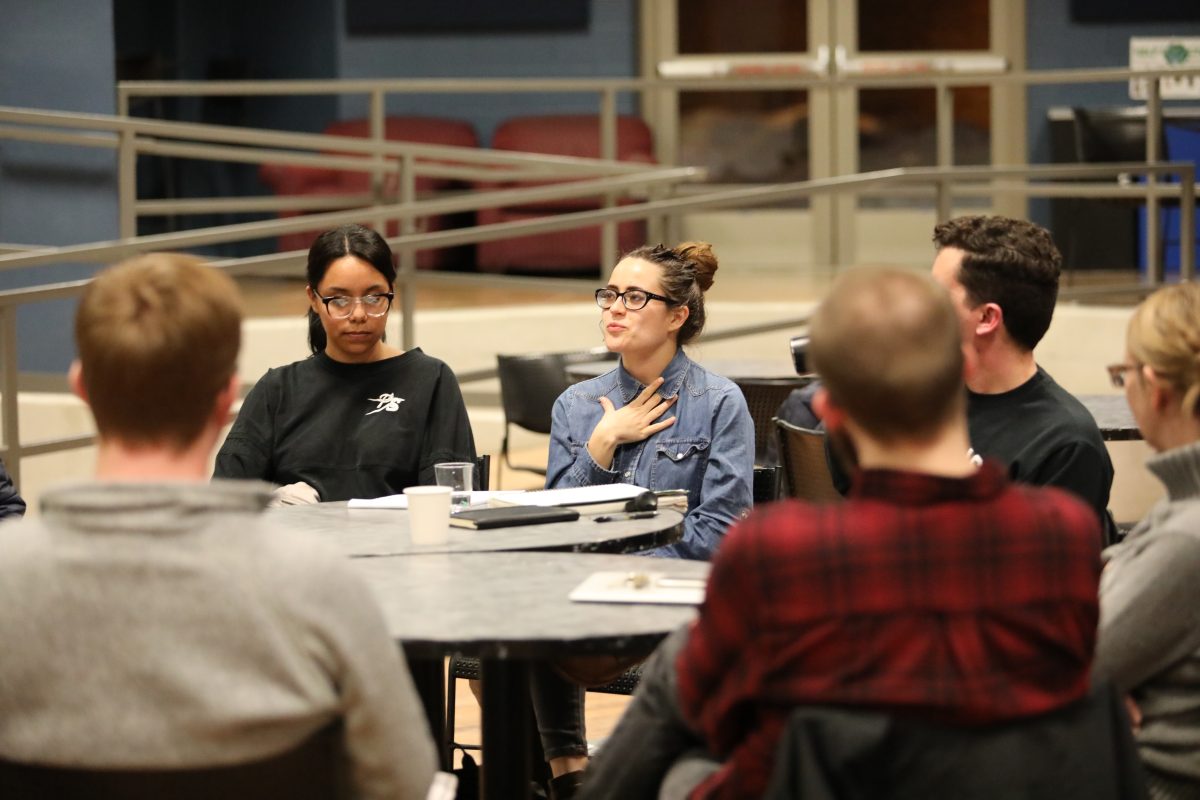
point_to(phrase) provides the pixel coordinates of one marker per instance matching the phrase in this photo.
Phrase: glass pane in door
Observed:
(744, 136)
(747, 136)
(929, 25)
(897, 127)
(723, 26)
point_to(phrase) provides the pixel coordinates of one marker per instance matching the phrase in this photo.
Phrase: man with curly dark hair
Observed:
(1002, 275)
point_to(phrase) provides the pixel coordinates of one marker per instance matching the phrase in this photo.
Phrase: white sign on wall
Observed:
(1161, 52)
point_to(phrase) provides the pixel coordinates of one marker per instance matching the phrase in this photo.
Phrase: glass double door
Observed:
(778, 135)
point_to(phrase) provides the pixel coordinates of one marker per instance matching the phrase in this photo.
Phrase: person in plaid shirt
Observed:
(939, 589)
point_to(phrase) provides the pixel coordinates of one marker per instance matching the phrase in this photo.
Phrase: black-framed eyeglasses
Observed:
(633, 299)
(340, 306)
(1116, 373)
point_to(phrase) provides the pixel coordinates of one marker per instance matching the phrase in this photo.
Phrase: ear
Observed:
(1162, 397)
(314, 302)
(990, 321)
(679, 315)
(224, 401)
(829, 412)
(75, 381)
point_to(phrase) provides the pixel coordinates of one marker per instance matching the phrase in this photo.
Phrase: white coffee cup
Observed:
(428, 514)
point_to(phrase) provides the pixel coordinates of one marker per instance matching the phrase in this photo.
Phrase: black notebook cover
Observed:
(509, 516)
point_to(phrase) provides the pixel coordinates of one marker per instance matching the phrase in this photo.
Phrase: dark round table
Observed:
(362, 532)
(1112, 416)
(510, 609)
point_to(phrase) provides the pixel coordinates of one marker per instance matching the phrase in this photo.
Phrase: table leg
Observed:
(429, 676)
(506, 729)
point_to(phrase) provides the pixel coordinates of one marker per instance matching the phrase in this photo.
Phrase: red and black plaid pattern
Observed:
(966, 601)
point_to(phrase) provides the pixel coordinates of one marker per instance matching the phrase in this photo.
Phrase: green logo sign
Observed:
(1176, 54)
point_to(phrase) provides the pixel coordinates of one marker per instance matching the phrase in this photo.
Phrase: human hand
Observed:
(1135, 713)
(294, 494)
(632, 422)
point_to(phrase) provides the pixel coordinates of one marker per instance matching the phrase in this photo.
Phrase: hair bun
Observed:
(703, 260)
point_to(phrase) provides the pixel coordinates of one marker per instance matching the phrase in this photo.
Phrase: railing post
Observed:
(944, 96)
(377, 113)
(942, 190)
(408, 256)
(127, 182)
(1187, 223)
(1154, 261)
(8, 385)
(608, 150)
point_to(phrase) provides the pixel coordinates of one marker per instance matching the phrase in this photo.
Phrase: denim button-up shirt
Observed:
(709, 451)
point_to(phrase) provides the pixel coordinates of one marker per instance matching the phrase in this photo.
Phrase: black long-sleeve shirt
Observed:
(350, 430)
(11, 504)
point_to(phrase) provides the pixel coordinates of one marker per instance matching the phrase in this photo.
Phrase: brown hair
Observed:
(1164, 334)
(887, 346)
(157, 338)
(687, 273)
(1010, 262)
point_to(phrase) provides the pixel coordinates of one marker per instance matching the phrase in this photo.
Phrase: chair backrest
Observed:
(530, 383)
(805, 468)
(574, 135)
(483, 473)
(1083, 750)
(763, 398)
(1109, 136)
(308, 771)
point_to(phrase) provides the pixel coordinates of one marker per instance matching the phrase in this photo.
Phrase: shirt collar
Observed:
(918, 489)
(1179, 470)
(673, 377)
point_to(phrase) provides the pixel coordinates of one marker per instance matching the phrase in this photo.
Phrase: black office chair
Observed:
(529, 385)
(1084, 750)
(763, 398)
(308, 771)
(1102, 136)
(805, 468)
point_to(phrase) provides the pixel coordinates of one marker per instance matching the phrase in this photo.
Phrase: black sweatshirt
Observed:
(350, 430)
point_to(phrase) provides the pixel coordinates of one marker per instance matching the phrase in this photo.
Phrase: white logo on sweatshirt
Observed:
(385, 402)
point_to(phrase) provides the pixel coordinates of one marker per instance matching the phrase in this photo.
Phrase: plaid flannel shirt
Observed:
(967, 601)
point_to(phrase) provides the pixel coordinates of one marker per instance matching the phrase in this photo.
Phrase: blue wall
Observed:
(1057, 42)
(59, 56)
(608, 48)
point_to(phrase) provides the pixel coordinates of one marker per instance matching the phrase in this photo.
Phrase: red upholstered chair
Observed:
(286, 179)
(578, 248)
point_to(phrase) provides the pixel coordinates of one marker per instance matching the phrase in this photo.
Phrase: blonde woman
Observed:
(1149, 638)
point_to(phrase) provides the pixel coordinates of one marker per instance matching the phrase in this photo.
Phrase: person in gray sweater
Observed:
(1149, 636)
(151, 620)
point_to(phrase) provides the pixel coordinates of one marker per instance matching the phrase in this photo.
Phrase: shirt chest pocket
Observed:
(680, 464)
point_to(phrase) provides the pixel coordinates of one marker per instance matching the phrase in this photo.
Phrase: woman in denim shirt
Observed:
(658, 420)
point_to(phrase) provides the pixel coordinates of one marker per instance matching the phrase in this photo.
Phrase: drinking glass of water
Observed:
(457, 475)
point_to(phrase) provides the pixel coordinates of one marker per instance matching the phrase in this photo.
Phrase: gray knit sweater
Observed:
(167, 626)
(1149, 638)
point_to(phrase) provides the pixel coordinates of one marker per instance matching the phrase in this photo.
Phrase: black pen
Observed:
(625, 515)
